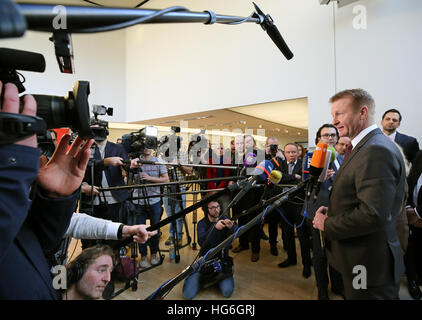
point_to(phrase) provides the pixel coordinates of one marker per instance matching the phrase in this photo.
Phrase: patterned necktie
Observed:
(348, 151)
(291, 166)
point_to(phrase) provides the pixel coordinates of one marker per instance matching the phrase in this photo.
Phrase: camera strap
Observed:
(14, 127)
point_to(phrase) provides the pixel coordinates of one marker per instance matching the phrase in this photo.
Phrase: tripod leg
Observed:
(194, 218)
(134, 285)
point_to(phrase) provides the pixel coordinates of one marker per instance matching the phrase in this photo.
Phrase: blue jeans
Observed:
(178, 206)
(141, 218)
(191, 286)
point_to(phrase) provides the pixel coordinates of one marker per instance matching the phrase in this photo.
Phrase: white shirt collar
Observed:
(362, 134)
(392, 136)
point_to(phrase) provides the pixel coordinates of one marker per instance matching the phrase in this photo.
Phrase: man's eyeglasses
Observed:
(333, 135)
(213, 207)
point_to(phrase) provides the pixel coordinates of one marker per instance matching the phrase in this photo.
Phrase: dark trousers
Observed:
(154, 215)
(413, 258)
(292, 213)
(319, 260)
(274, 219)
(253, 235)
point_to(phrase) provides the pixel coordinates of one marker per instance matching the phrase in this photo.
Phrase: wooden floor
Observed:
(262, 280)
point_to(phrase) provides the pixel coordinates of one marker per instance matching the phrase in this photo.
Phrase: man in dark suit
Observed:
(412, 258)
(107, 166)
(367, 195)
(291, 210)
(328, 134)
(391, 120)
(24, 271)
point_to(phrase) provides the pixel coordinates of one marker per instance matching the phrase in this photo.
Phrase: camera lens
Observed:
(71, 111)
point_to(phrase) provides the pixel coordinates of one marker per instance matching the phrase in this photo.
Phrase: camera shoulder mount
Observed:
(14, 127)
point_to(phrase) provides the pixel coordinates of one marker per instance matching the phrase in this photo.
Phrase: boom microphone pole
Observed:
(84, 19)
(197, 205)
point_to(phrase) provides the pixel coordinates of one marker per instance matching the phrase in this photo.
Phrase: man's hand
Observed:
(145, 176)
(63, 174)
(113, 161)
(86, 189)
(221, 224)
(134, 164)
(330, 173)
(139, 233)
(227, 223)
(11, 105)
(320, 216)
(280, 154)
(412, 218)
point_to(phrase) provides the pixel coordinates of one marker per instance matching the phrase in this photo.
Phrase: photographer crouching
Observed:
(219, 270)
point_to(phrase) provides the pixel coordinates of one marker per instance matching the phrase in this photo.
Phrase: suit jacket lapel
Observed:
(356, 150)
(398, 138)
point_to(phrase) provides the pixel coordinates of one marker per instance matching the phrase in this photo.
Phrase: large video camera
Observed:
(70, 111)
(197, 144)
(169, 145)
(100, 127)
(136, 142)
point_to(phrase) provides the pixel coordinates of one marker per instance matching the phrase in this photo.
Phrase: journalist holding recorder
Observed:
(24, 271)
(211, 232)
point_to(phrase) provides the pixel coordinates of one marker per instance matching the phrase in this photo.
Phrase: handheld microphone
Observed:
(263, 170)
(318, 160)
(317, 165)
(261, 173)
(323, 176)
(275, 177)
(333, 153)
(268, 25)
(250, 160)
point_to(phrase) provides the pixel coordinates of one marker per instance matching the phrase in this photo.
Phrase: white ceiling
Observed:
(292, 113)
(281, 118)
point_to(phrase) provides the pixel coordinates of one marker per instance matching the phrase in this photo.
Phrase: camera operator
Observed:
(174, 204)
(107, 169)
(24, 236)
(220, 269)
(246, 145)
(274, 219)
(149, 208)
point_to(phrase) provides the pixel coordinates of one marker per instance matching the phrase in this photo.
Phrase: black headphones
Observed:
(75, 272)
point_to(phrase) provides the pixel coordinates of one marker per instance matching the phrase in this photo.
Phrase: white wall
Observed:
(385, 58)
(183, 68)
(99, 58)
